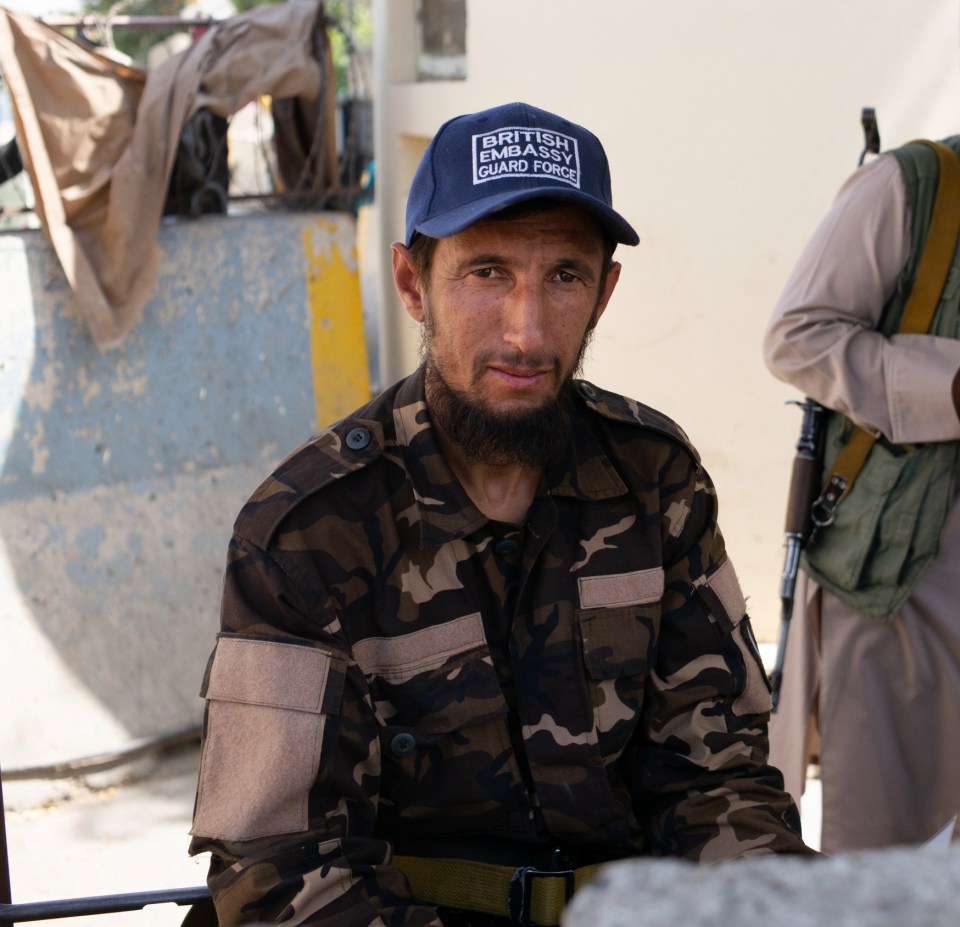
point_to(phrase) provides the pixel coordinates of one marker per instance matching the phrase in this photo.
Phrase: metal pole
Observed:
(5, 894)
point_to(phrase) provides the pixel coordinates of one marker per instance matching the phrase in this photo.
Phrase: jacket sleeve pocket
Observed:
(267, 704)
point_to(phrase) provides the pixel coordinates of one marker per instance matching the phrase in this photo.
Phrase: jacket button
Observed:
(506, 547)
(588, 390)
(358, 438)
(402, 744)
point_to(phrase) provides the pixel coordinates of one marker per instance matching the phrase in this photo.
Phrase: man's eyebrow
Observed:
(481, 260)
(583, 268)
(486, 259)
(577, 262)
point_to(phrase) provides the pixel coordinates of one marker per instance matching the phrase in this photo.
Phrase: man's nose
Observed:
(525, 318)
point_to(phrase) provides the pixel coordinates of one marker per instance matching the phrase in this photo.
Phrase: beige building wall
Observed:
(729, 125)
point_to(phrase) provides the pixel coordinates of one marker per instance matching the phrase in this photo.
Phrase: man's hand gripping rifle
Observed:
(805, 480)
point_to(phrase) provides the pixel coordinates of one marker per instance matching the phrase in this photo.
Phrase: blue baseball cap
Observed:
(482, 162)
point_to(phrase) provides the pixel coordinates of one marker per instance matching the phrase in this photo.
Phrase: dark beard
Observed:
(527, 439)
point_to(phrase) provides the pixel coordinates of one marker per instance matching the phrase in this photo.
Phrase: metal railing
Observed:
(198, 897)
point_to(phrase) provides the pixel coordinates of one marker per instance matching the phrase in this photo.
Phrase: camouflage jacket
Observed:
(395, 670)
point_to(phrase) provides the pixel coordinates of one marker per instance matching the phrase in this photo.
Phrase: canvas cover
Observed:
(99, 138)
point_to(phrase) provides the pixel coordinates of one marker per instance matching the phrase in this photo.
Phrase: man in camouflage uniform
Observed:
(489, 616)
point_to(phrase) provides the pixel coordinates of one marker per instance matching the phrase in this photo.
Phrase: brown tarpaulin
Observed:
(99, 139)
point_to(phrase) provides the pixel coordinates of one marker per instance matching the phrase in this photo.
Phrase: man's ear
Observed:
(407, 281)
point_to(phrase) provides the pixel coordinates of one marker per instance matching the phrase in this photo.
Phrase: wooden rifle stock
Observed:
(805, 480)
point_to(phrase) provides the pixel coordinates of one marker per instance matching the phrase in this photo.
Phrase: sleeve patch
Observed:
(721, 593)
(263, 734)
(268, 673)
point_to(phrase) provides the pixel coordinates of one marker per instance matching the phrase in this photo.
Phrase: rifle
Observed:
(805, 480)
(871, 133)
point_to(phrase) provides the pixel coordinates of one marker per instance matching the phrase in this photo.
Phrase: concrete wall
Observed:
(121, 473)
(729, 125)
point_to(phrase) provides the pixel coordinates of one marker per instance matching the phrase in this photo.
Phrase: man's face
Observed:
(508, 306)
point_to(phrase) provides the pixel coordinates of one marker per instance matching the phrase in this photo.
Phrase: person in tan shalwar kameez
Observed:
(879, 703)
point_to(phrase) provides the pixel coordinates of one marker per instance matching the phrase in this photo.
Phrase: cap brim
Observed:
(462, 217)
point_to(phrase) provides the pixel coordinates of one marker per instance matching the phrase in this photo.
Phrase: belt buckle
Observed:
(520, 895)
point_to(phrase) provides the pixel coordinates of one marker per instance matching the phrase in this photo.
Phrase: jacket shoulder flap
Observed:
(619, 408)
(344, 448)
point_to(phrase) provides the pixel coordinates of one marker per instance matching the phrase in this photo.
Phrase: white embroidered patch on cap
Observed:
(524, 152)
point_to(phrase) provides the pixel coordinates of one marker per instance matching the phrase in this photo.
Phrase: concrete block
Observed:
(121, 472)
(919, 887)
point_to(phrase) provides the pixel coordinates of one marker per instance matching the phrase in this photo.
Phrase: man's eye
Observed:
(565, 276)
(484, 273)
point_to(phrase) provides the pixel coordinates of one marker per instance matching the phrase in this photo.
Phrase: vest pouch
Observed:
(887, 529)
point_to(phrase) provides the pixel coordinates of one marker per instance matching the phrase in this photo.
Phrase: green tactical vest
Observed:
(887, 530)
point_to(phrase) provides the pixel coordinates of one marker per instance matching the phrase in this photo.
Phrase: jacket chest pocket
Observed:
(444, 738)
(618, 640)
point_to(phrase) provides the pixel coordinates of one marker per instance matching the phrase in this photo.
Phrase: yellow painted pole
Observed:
(338, 347)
